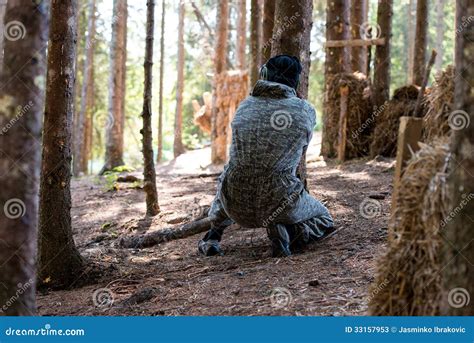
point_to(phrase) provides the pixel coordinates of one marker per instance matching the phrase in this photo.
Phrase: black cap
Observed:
(283, 69)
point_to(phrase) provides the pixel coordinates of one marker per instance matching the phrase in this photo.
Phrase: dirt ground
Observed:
(331, 277)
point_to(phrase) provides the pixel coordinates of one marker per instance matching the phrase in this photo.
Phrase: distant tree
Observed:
(160, 94)
(381, 88)
(3, 6)
(241, 34)
(359, 11)
(255, 39)
(178, 147)
(116, 111)
(267, 29)
(21, 106)
(152, 207)
(219, 140)
(421, 40)
(440, 24)
(59, 261)
(411, 38)
(459, 234)
(83, 133)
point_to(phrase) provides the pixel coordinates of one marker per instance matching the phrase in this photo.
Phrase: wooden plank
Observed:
(342, 138)
(354, 42)
(409, 134)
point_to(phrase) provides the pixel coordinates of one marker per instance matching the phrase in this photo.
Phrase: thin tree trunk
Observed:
(241, 34)
(58, 259)
(267, 29)
(337, 61)
(3, 7)
(116, 115)
(81, 144)
(421, 39)
(458, 271)
(359, 13)
(218, 131)
(160, 95)
(439, 33)
(255, 38)
(295, 40)
(381, 89)
(152, 207)
(411, 39)
(21, 106)
(178, 147)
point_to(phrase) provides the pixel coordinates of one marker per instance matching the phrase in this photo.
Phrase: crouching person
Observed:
(259, 186)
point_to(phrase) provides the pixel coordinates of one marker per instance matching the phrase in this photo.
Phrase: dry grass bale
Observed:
(359, 108)
(385, 134)
(408, 276)
(439, 105)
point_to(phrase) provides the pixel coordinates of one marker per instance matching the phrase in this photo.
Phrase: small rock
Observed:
(314, 283)
(377, 196)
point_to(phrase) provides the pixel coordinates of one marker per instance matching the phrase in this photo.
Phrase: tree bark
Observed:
(21, 106)
(3, 7)
(58, 259)
(149, 174)
(439, 33)
(381, 89)
(292, 36)
(178, 147)
(218, 134)
(84, 129)
(267, 28)
(255, 38)
(421, 39)
(337, 60)
(359, 11)
(459, 234)
(160, 94)
(241, 34)
(116, 113)
(411, 39)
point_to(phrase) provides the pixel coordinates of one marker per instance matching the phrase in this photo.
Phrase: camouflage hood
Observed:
(273, 90)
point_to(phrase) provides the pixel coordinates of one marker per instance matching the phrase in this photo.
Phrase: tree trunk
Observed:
(267, 28)
(295, 41)
(149, 174)
(359, 12)
(178, 147)
(241, 34)
(421, 39)
(337, 61)
(411, 39)
(81, 136)
(160, 94)
(3, 7)
(255, 38)
(58, 259)
(116, 115)
(459, 233)
(218, 131)
(381, 89)
(439, 33)
(21, 106)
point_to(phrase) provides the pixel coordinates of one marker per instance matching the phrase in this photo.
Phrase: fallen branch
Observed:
(168, 234)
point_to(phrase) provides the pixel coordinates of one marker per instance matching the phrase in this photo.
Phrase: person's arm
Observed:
(301, 172)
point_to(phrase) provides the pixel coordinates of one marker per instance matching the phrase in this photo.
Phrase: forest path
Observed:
(329, 278)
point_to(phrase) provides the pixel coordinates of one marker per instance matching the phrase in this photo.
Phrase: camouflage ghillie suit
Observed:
(259, 187)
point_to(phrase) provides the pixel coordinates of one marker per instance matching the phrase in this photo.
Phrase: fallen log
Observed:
(157, 237)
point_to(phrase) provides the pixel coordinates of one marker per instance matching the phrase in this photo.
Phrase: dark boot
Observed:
(210, 247)
(280, 240)
(280, 248)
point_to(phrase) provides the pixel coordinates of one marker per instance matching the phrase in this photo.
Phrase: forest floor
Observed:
(331, 277)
